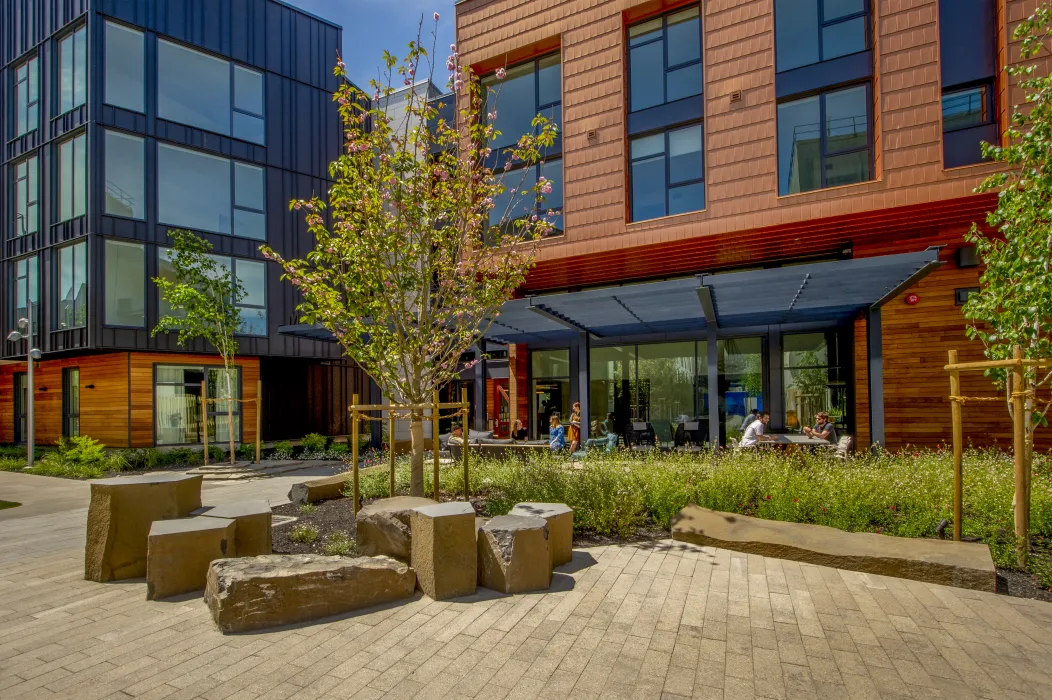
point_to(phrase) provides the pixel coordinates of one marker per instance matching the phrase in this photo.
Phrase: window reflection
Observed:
(814, 380)
(665, 59)
(193, 189)
(27, 194)
(73, 69)
(250, 274)
(674, 185)
(125, 175)
(741, 383)
(842, 27)
(72, 167)
(125, 284)
(72, 288)
(124, 66)
(806, 160)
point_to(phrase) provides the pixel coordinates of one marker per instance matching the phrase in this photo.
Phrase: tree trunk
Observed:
(230, 413)
(416, 472)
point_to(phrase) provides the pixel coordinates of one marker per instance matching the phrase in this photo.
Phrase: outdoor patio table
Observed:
(798, 442)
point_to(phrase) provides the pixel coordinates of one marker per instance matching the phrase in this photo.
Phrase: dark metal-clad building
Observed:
(124, 119)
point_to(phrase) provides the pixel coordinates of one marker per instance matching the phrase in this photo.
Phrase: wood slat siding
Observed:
(142, 392)
(741, 157)
(103, 408)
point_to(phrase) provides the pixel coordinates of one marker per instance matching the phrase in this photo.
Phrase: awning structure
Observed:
(830, 292)
(823, 292)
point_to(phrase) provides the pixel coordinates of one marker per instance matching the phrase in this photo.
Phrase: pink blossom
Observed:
(436, 16)
(339, 62)
(546, 188)
(492, 116)
(343, 100)
(451, 63)
(501, 73)
(453, 48)
(458, 85)
(376, 96)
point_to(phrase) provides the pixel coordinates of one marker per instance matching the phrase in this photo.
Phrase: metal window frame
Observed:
(81, 45)
(29, 64)
(865, 13)
(105, 168)
(142, 248)
(18, 278)
(105, 59)
(824, 153)
(30, 198)
(232, 264)
(230, 82)
(987, 86)
(57, 303)
(205, 369)
(82, 134)
(666, 68)
(498, 160)
(233, 195)
(67, 413)
(665, 155)
(19, 408)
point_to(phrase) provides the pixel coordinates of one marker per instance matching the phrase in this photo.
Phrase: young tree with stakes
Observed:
(203, 298)
(1014, 304)
(413, 262)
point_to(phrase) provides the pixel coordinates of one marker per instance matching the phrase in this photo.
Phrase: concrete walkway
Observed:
(655, 620)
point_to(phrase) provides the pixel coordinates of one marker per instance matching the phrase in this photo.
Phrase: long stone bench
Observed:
(181, 551)
(278, 589)
(253, 536)
(961, 564)
(320, 489)
(121, 512)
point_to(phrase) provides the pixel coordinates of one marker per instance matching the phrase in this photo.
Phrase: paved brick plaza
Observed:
(660, 620)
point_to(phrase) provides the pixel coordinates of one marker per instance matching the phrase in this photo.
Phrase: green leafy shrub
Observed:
(246, 451)
(304, 534)
(314, 442)
(79, 457)
(147, 458)
(308, 508)
(282, 450)
(339, 545)
(338, 450)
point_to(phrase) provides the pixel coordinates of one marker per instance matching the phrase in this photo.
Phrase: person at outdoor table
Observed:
(823, 430)
(750, 417)
(556, 433)
(573, 433)
(754, 433)
(456, 435)
(518, 432)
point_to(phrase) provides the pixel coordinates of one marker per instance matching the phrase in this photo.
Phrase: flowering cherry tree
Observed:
(412, 259)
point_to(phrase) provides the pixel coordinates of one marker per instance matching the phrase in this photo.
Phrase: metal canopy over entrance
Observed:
(823, 292)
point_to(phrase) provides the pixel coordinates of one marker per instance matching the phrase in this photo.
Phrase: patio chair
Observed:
(641, 435)
(688, 434)
(842, 449)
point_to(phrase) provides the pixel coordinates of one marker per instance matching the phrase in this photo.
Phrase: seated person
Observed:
(750, 417)
(518, 432)
(754, 432)
(556, 433)
(456, 434)
(823, 430)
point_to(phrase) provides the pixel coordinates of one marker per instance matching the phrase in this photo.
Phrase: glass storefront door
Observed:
(741, 383)
(666, 386)
(814, 379)
(611, 393)
(550, 388)
(177, 405)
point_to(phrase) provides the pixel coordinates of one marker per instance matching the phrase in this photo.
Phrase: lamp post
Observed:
(31, 354)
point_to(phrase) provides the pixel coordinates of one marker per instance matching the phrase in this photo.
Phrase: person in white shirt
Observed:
(754, 432)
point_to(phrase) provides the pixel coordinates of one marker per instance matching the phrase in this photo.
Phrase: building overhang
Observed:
(824, 292)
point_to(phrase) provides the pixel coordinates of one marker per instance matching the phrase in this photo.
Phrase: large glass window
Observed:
(251, 275)
(527, 90)
(809, 31)
(668, 173)
(27, 97)
(824, 141)
(124, 68)
(814, 379)
(125, 175)
(70, 401)
(177, 404)
(550, 386)
(204, 192)
(741, 383)
(664, 59)
(72, 286)
(73, 69)
(27, 196)
(72, 172)
(664, 384)
(26, 291)
(210, 93)
(125, 285)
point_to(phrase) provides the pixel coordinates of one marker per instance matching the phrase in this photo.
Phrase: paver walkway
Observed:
(654, 620)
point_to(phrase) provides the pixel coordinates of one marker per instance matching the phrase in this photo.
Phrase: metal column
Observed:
(582, 348)
(480, 388)
(714, 385)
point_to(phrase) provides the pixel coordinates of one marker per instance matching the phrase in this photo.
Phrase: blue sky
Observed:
(370, 26)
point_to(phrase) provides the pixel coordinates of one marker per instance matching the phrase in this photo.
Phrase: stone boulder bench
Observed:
(181, 551)
(253, 533)
(279, 589)
(513, 554)
(559, 517)
(384, 527)
(961, 564)
(120, 515)
(445, 553)
(321, 489)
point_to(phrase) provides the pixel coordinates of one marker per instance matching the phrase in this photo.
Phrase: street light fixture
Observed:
(31, 355)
